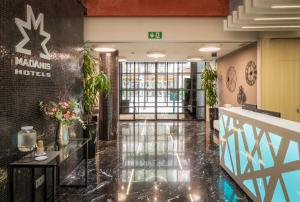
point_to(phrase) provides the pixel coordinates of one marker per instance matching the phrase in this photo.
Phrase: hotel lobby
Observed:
(150, 100)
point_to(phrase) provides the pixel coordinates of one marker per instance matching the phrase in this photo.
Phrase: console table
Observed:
(56, 155)
(67, 151)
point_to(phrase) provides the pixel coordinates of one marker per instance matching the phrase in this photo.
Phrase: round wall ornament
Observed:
(251, 73)
(231, 79)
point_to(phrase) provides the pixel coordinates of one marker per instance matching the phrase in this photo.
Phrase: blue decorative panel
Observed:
(278, 193)
(264, 160)
(249, 184)
(243, 154)
(291, 181)
(228, 161)
(261, 187)
(232, 153)
(266, 153)
(275, 142)
(292, 153)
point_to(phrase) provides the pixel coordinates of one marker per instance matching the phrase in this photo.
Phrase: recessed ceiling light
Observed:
(122, 59)
(156, 54)
(209, 48)
(105, 49)
(271, 27)
(285, 6)
(194, 59)
(276, 19)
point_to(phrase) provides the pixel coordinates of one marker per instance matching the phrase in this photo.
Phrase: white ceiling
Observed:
(270, 18)
(174, 51)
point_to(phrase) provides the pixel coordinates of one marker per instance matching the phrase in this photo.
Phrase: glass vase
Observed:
(62, 135)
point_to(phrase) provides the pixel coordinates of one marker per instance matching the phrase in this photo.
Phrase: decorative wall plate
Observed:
(231, 79)
(251, 73)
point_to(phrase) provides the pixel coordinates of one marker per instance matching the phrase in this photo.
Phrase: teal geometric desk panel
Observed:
(263, 159)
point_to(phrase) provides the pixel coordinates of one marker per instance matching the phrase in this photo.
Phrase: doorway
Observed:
(161, 91)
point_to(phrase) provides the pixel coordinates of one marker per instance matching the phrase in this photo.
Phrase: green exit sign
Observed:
(154, 35)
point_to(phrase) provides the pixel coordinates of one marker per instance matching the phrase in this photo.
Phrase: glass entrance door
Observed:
(161, 90)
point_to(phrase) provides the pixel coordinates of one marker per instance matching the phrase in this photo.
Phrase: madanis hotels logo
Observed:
(28, 65)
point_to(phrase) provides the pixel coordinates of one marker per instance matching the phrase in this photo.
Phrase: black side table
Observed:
(29, 162)
(56, 156)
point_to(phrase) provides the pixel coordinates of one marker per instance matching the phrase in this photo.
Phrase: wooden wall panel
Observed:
(143, 8)
(281, 77)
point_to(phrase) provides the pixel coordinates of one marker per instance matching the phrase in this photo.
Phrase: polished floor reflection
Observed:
(156, 161)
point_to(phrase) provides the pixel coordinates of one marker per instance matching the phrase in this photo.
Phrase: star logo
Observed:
(36, 23)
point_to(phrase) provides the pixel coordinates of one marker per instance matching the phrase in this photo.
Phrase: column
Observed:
(109, 103)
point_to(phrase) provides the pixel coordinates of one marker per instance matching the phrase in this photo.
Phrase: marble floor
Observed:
(155, 161)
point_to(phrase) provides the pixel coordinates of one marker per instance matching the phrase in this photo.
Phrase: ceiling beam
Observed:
(259, 16)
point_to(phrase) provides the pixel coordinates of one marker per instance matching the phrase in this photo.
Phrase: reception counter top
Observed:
(283, 123)
(261, 153)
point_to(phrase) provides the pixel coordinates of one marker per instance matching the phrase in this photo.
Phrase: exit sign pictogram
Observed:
(155, 35)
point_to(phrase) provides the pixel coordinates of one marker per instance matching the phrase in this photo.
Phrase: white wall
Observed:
(175, 29)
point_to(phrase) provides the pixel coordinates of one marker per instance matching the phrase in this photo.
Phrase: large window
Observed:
(161, 90)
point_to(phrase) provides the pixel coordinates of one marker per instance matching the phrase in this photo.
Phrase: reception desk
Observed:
(261, 153)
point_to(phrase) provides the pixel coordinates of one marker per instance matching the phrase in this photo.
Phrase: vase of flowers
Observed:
(65, 113)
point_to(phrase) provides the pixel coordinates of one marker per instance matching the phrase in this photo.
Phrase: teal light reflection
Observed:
(226, 190)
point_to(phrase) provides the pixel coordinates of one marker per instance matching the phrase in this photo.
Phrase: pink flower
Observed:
(67, 116)
(54, 109)
(64, 105)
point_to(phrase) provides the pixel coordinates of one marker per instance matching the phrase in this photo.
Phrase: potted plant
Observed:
(94, 83)
(65, 112)
(208, 83)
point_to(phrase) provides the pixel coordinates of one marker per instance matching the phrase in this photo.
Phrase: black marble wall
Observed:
(22, 87)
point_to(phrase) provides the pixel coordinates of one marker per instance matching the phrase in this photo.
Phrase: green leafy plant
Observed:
(208, 83)
(94, 82)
